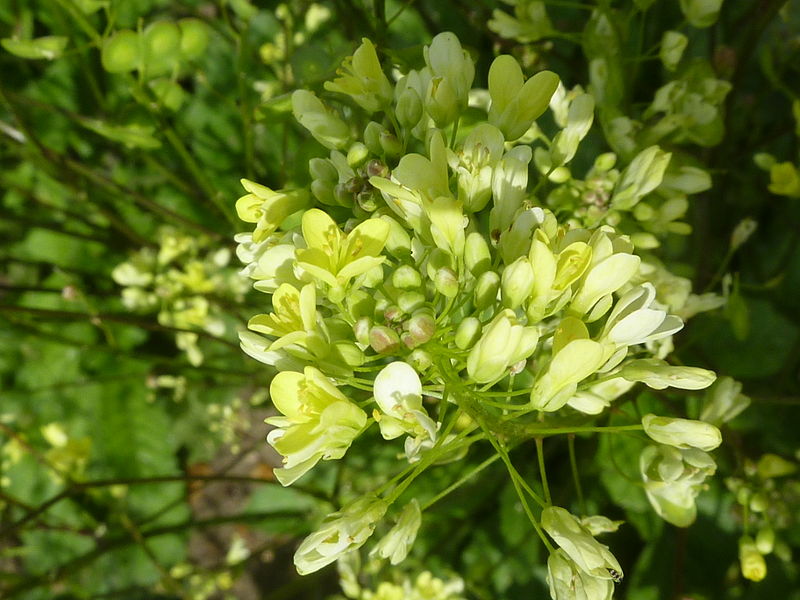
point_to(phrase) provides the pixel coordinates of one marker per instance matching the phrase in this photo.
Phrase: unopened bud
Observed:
(421, 327)
(322, 168)
(406, 277)
(367, 201)
(742, 232)
(409, 108)
(376, 168)
(372, 137)
(361, 330)
(486, 289)
(682, 433)
(476, 254)
(765, 540)
(357, 154)
(517, 282)
(446, 282)
(393, 313)
(348, 352)
(750, 560)
(410, 301)
(342, 195)
(468, 332)
(384, 340)
(420, 360)
(390, 144)
(772, 465)
(399, 242)
(758, 502)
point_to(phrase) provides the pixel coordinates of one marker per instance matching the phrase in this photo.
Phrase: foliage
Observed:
(516, 299)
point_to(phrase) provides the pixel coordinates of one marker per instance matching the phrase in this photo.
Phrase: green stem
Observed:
(459, 482)
(542, 471)
(573, 465)
(454, 132)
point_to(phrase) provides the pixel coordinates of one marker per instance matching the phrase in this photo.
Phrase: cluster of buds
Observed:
(424, 587)
(179, 280)
(420, 273)
(766, 496)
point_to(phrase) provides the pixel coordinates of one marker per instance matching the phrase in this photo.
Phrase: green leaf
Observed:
(132, 136)
(44, 48)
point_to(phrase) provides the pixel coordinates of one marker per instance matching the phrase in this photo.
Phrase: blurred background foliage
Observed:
(133, 463)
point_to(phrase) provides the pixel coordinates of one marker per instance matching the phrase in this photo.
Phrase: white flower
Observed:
(396, 544)
(340, 532)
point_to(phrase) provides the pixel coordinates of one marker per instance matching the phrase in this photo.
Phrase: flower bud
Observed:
(420, 359)
(486, 289)
(701, 13)
(742, 232)
(516, 103)
(342, 195)
(392, 313)
(324, 169)
(441, 102)
(361, 77)
(396, 544)
(361, 330)
(323, 124)
(751, 561)
(161, 42)
(375, 168)
(390, 145)
(446, 282)
(399, 242)
(504, 342)
(765, 540)
(476, 254)
(384, 340)
(409, 108)
(349, 353)
(673, 43)
(410, 301)
(576, 361)
(682, 433)
(357, 154)
(121, 52)
(772, 465)
(194, 38)
(360, 304)
(372, 137)
(658, 375)
(406, 277)
(421, 327)
(468, 333)
(758, 502)
(516, 283)
(367, 200)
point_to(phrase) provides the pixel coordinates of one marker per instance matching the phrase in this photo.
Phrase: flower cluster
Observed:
(179, 280)
(422, 285)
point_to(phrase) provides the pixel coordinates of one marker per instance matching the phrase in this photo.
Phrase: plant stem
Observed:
(573, 464)
(542, 471)
(460, 481)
